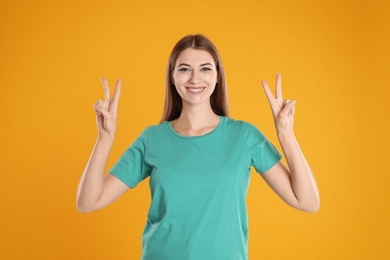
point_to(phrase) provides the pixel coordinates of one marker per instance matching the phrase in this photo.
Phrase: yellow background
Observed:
(333, 56)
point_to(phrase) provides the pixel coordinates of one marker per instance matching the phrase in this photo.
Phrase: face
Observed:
(195, 76)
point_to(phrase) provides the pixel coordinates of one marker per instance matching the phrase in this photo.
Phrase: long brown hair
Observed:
(218, 100)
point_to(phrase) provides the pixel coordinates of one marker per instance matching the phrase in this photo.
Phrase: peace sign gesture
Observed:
(106, 112)
(282, 110)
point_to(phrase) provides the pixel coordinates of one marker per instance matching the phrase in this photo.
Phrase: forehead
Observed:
(194, 57)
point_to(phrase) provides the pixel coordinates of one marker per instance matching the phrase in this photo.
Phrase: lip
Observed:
(195, 90)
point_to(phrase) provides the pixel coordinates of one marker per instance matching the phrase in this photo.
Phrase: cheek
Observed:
(213, 79)
(178, 80)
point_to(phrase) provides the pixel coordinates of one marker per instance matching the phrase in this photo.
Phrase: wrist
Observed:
(285, 135)
(106, 138)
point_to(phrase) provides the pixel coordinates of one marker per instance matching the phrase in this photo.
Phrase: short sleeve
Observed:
(264, 154)
(131, 167)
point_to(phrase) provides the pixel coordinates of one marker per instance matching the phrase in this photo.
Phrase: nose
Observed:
(194, 79)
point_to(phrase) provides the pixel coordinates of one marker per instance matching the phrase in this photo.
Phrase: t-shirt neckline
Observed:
(221, 119)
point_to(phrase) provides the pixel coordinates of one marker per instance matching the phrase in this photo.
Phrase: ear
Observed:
(173, 81)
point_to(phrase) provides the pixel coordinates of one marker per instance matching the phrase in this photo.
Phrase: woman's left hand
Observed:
(282, 110)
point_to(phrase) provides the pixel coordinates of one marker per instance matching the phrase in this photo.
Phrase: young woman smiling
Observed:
(198, 162)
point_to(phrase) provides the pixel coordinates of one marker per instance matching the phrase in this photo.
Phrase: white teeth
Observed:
(195, 89)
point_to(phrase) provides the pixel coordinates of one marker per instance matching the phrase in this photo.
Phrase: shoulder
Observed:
(156, 127)
(155, 130)
(243, 128)
(240, 125)
(148, 135)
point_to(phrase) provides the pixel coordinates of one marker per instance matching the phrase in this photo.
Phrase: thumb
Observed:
(289, 108)
(100, 114)
(100, 109)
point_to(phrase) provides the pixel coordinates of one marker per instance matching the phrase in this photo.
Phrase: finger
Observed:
(278, 92)
(293, 110)
(99, 119)
(97, 108)
(117, 92)
(267, 91)
(106, 89)
(288, 108)
(100, 109)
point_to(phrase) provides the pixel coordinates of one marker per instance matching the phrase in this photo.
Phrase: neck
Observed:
(197, 116)
(196, 120)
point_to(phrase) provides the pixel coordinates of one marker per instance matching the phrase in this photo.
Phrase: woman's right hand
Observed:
(106, 112)
(97, 190)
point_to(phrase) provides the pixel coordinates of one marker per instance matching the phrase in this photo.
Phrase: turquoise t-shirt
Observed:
(198, 186)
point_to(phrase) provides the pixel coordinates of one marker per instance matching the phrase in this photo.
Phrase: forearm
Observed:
(302, 180)
(91, 183)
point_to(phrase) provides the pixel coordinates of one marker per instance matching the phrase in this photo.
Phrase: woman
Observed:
(198, 161)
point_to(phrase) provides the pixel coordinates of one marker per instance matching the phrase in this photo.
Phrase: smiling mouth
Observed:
(195, 90)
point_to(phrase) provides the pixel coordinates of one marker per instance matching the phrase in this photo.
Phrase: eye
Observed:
(205, 69)
(184, 69)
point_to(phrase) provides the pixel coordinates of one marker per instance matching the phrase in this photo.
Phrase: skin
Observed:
(194, 70)
(97, 190)
(295, 184)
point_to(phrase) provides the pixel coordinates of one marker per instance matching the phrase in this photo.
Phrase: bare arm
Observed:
(96, 190)
(295, 184)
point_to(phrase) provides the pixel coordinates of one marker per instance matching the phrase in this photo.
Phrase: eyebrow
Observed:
(203, 64)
